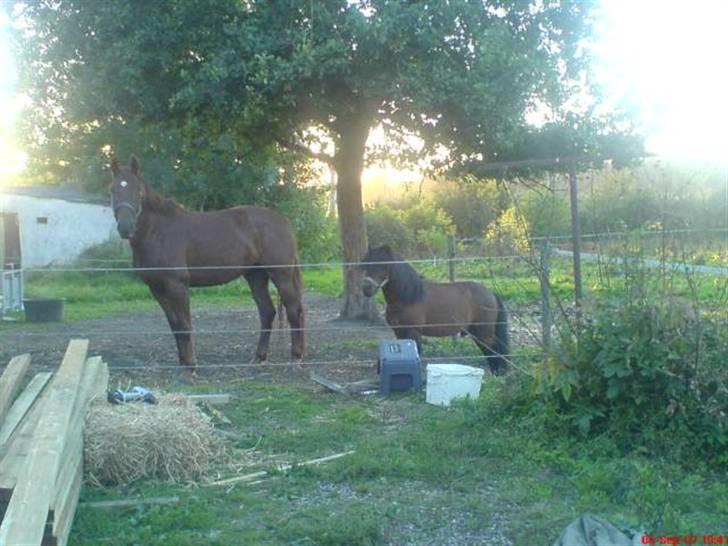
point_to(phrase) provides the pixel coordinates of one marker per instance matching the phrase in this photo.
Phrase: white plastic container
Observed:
(446, 382)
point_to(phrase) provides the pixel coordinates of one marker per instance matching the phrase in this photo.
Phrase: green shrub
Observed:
(385, 226)
(647, 371)
(419, 229)
(509, 233)
(316, 233)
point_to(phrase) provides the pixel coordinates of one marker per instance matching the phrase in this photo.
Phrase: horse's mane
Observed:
(407, 285)
(157, 202)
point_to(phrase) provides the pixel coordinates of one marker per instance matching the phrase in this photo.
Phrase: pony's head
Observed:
(127, 195)
(376, 269)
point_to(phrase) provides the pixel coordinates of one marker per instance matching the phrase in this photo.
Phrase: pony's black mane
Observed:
(404, 284)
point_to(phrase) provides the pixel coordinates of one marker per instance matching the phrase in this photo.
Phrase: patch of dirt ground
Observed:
(140, 349)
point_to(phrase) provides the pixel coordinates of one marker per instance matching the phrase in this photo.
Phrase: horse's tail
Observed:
(502, 343)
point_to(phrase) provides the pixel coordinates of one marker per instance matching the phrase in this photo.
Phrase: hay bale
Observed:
(171, 441)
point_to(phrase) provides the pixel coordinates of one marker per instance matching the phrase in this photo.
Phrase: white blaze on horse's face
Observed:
(127, 195)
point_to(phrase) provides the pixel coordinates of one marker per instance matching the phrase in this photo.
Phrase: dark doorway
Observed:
(10, 232)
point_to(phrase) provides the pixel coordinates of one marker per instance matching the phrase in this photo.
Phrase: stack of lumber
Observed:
(41, 445)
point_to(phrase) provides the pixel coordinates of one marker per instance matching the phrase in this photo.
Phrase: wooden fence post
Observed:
(451, 257)
(451, 268)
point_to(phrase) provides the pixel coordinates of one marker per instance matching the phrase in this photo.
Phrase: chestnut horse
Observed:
(417, 307)
(175, 249)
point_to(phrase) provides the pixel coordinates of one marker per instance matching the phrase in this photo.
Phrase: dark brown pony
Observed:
(417, 307)
(175, 249)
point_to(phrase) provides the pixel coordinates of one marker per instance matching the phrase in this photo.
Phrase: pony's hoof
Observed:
(186, 377)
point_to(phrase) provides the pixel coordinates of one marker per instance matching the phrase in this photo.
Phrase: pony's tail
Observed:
(502, 344)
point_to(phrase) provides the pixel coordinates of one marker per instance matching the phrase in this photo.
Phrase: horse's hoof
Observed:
(186, 377)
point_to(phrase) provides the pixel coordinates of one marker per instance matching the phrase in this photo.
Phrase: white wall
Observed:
(71, 228)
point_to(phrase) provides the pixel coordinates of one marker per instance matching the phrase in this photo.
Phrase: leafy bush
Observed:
(509, 233)
(471, 204)
(431, 227)
(419, 229)
(646, 371)
(546, 213)
(385, 226)
(317, 234)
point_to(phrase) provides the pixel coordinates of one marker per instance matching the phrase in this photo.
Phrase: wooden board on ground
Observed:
(126, 503)
(263, 474)
(10, 381)
(21, 406)
(212, 399)
(365, 386)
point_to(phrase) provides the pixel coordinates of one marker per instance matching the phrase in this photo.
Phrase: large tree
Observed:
(464, 76)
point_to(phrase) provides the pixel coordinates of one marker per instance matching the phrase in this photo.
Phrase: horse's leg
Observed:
(485, 342)
(289, 287)
(410, 333)
(258, 281)
(174, 298)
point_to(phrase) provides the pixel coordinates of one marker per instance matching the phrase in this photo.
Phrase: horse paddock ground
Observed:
(140, 349)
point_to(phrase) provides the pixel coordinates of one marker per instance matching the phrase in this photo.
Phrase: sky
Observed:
(663, 59)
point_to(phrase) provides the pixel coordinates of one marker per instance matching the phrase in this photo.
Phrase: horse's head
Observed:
(376, 269)
(127, 195)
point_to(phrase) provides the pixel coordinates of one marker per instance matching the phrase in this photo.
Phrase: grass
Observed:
(97, 294)
(92, 295)
(418, 473)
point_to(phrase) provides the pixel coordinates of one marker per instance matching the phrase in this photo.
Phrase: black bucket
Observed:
(43, 310)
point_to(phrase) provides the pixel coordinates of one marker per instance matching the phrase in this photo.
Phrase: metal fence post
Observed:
(545, 296)
(576, 239)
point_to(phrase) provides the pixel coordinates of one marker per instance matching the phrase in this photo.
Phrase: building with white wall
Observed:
(51, 224)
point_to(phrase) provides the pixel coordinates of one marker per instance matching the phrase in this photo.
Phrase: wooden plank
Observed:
(93, 384)
(346, 388)
(328, 383)
(27, 511)
(64, 521)
(212, 399)
(22, 405)
(15, 451)
(10, 382)
(282, 468)
(127, 503)
(71, 458)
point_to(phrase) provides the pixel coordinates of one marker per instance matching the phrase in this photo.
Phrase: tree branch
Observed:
(296, 147)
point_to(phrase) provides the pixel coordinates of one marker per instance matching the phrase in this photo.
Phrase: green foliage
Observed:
(386, 226)
(649, 372)
(546, 213)
(509, 233)
(431, 226)
(211, 92)
(316, 233)
(418, 229)
(472, 205)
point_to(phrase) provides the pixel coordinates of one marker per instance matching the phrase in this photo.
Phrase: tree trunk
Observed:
(349, 164)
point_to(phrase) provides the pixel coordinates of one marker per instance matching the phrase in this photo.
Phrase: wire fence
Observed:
(516, 273)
